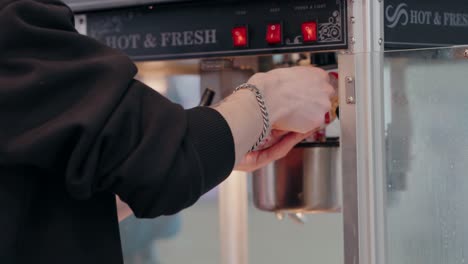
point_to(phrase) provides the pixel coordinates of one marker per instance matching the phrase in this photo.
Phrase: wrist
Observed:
(264, 82)
(241, 111)
(260, 99)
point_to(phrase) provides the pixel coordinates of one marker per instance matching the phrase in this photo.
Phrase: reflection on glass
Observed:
(426, 121)
(193, 236)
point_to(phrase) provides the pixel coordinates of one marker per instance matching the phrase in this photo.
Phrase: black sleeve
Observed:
(70, 106)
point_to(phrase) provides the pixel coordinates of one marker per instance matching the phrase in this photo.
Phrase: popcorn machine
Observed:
(390, 57)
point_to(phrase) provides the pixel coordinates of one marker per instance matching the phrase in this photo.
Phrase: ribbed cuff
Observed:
(212, 138)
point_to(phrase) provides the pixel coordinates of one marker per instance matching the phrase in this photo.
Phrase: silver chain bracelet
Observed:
(263, 109)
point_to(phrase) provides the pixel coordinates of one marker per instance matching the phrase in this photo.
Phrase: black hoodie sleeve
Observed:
(69, 106)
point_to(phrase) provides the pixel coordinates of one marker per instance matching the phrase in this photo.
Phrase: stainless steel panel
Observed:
(362, 137)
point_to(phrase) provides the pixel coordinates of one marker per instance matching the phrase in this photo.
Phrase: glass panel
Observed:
(319, 240)
(191, 236)
(426, 121)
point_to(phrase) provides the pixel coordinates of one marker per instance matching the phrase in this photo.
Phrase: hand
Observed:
(285, 141)
(297, 98)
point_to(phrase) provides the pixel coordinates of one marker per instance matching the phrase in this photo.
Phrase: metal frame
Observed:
(94, 5)
(361, 68)
(233, 219)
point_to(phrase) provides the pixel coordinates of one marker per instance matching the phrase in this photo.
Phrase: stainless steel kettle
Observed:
(307, 180)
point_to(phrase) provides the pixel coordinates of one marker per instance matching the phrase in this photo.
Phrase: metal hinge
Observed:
(350, 90)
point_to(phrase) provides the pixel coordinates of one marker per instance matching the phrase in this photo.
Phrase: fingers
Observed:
(261, 158)
(331, 91)
(304, 108)
(274, 137)
(276, 133)
(333, 81)
(282, 148)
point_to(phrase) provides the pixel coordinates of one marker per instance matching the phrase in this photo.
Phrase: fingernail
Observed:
(327, 118)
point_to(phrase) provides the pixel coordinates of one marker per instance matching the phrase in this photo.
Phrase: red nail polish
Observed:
(327, 118)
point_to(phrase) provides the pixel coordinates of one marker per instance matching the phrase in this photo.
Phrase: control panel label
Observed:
(163, 39)
(166, 31)
(426, 23)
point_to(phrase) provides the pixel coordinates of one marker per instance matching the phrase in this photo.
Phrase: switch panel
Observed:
(201, 29)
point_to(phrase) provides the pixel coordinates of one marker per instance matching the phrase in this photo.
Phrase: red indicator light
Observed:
(239, 36)
(274, 35)
(309, 31)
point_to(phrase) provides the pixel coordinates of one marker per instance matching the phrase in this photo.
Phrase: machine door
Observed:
(426, 108)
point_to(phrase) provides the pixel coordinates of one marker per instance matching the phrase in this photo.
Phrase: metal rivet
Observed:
(466, 53)
(353, 20)
(353, 40)
(350, 100)
(380, 41)
(349, 79)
